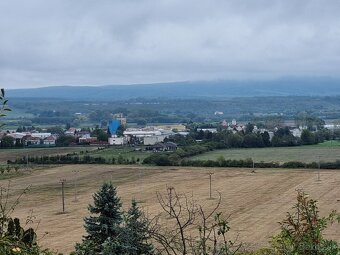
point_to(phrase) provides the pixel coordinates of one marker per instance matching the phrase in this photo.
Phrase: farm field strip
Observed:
(12, 154)
(126, 153)
(305, 154)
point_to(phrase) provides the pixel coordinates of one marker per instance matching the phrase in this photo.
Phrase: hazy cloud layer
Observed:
(60, 42)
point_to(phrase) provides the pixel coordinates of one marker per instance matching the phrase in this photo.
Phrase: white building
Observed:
(50, 140)
(18, 135)
(142, 133)
(212, 130)
(148, 135)
(117, 140)
(152, 140)
(297, 132)
(41, 135)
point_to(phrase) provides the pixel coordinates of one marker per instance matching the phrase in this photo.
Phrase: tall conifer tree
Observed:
(105, 219)
(137, 232)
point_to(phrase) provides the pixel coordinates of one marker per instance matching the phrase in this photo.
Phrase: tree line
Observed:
(73, 159)
(163, 159)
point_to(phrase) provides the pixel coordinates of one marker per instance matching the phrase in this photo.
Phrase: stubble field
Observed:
(254, 201)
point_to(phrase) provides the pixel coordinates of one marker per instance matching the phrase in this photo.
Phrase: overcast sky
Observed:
(96, 42)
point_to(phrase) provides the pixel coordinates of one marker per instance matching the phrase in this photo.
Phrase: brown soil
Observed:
(255, 201)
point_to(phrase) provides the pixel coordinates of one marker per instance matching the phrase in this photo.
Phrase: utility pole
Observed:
(62, 181)
(319, 170)
(170, 189)
(210, 174)
(140, 183)
(75, 185)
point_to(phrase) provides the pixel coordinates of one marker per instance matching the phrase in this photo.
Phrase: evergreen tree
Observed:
(266, 138)
(136, 229)
(104, 223)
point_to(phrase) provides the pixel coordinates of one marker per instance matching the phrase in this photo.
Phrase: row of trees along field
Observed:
(164, 159)
(198, 142)
(250, 139)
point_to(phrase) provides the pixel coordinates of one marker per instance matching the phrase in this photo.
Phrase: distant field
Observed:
(125, 152)
(11, 154)
(255, 202)
(328, 151)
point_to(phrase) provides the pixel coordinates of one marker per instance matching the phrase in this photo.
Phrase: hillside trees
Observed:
(266, 139)
(7, 141)
(100, 134)
(58, 130)
(65, 140)
(307, 137)
(283, 137)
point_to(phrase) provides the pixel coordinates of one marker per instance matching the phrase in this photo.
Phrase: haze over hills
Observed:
(198, 89)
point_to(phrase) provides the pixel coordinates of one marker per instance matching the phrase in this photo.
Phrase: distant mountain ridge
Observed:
(202, 89)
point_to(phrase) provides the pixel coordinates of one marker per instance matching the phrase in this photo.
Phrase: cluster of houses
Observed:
(152, 137)
(31, 138)
(237, 127)
(48, 139)
(164, 146)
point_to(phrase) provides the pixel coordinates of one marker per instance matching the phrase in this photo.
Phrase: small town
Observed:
(169, 127)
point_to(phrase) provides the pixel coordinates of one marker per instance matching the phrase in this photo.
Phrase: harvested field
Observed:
(255, 201)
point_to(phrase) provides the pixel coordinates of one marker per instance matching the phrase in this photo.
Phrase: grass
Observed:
(115, 152)
(327, 144)
(12, 154)
(107, 153)
(327, 151)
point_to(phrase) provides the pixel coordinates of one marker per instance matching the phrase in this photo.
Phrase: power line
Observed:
(62, 181)
(75, 185)
(210, 174)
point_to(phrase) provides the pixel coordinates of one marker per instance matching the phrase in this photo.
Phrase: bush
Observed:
(14, 239)
(302, 230)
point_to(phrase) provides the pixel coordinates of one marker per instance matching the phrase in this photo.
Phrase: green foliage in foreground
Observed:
(14, 239)
(110, 230)
(302, 231)
(10, 245)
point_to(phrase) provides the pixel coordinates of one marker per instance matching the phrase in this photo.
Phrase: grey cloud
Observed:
(59, 42)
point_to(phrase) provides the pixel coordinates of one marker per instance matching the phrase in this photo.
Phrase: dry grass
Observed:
(256, 202)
